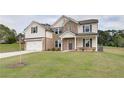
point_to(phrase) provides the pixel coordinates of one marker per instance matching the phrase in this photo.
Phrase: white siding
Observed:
(93, 42)
(80, 28)
(67, 35)
(49, 34)
(61, 22)
(79, 42)
(95, 28)
(40, 33)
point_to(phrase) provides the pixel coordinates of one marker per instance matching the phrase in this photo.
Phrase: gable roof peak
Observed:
(68, 18)
(71, 19)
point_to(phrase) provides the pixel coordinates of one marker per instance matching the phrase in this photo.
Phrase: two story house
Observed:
(76, 35)
(66, 34)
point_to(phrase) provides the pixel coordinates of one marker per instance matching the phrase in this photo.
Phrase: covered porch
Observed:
(75, 42)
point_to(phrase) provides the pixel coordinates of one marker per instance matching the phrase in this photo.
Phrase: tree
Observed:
(7, 35)
(20, 35)
(116, 39)
(103, 37)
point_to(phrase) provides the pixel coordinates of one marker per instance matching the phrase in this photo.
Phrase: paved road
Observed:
(10, 54)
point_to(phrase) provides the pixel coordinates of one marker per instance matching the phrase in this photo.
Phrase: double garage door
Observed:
(34, 46)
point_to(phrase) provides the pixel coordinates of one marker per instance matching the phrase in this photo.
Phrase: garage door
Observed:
(34, 46)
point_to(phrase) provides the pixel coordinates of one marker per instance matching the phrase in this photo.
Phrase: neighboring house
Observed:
(111, 32)
(66, 34)
(38, 37)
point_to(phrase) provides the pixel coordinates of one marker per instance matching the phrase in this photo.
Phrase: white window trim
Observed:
(57, 30)
(34, 28)
(85, 28)
(86, 42)
(58, 42)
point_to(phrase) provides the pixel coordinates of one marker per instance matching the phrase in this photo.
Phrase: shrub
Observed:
(49, 50)
(53, 49)
(58, 49)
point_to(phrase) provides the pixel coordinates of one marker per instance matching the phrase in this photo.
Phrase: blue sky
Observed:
(19, 22)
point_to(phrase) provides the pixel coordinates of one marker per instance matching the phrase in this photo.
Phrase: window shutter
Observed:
(90, 27)
(83, 42)
(36, 29)
(83, 28)
(90, 42)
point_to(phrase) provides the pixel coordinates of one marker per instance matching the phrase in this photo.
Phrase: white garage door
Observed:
(34, 46)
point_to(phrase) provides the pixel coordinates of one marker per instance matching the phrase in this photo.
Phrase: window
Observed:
(87, 42)
(58, 30)
(87, 28)
(34, 29)
(58, 43)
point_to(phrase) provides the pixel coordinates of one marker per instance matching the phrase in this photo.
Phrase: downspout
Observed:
(45, 40)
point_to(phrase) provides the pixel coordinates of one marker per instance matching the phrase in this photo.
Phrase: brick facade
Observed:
(49, 43)
(70, 26)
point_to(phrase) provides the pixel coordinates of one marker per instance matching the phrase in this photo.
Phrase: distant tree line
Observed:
(8, 36)
(113, 38)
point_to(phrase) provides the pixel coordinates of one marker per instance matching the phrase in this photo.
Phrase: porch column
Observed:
(96, 43)
(75, 43)
(61, 44)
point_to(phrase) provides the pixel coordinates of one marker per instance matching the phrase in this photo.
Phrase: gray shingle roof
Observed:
(91, 33)
(88, 21)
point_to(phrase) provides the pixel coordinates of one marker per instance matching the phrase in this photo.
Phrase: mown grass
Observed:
(109, 63)
(9, 47)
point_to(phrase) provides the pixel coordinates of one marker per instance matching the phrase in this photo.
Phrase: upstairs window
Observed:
(34, 29)
(87, 28)
(58, 30)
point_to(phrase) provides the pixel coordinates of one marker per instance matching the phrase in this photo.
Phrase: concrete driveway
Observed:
(10, 54)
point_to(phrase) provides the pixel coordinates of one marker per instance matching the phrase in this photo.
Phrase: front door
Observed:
(70, 46)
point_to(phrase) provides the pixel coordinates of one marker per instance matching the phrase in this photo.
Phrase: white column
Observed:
(58, 43)
(75, 43)
(96, 43)
(58, 30)
(61, 44)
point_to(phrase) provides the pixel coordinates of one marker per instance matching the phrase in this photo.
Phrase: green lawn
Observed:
(109, 63)
(9, 47)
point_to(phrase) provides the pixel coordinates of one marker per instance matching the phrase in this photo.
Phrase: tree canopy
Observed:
(113, 38)
(7, 35)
